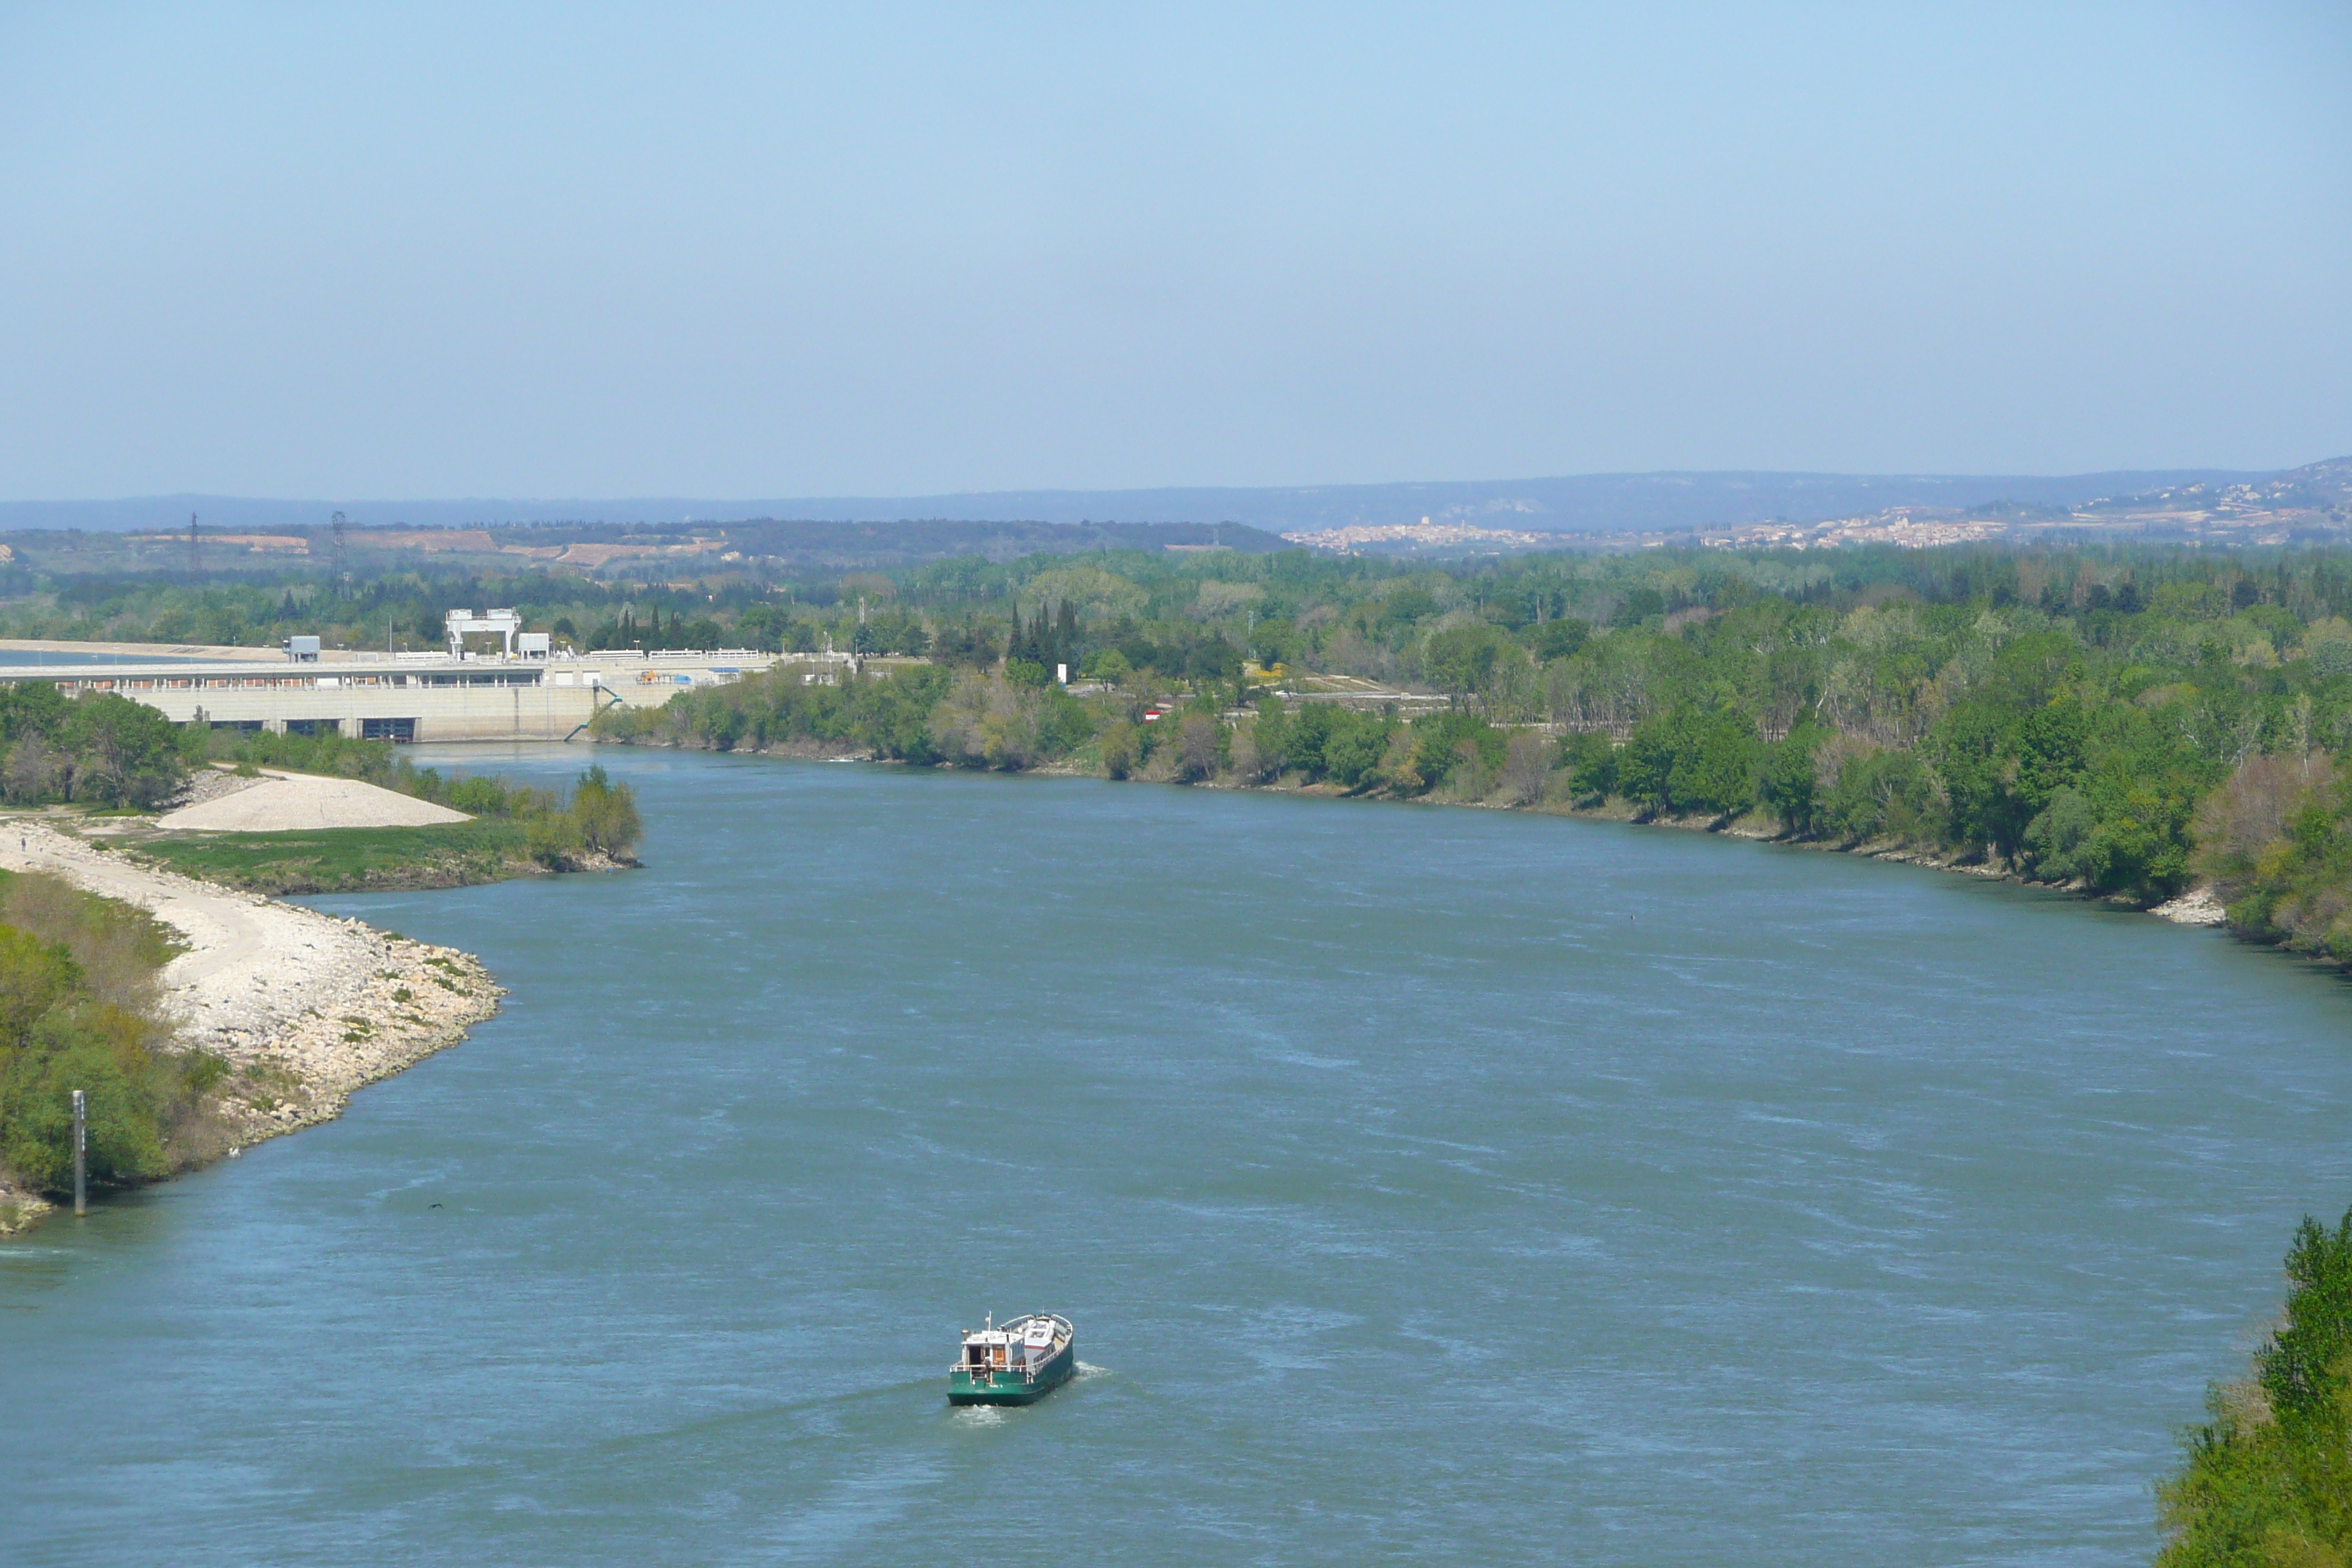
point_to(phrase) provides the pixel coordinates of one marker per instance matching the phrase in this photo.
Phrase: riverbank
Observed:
(2195, 906)
(303, 1008)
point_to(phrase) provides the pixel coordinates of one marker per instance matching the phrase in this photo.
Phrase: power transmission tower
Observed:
(341, 567)
(192, 544)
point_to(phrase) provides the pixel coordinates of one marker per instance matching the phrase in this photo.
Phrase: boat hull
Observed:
(982, 1386)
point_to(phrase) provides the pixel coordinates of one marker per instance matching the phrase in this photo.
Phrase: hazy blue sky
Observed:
(573, 249)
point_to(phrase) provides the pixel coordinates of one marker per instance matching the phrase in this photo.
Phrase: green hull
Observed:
(1001, 1387)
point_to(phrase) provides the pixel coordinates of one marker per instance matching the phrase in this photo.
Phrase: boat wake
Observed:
(1089, 1369)
(977, 1416)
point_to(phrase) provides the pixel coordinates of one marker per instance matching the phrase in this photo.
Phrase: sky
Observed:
(490, 249)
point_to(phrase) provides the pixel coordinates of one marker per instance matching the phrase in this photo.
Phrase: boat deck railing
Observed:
(1027, 1369)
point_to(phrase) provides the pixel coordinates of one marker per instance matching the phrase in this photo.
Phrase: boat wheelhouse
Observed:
(1018, 1363)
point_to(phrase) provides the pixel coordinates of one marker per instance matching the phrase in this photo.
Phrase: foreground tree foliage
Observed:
(76, 1012)
(2267, 1481)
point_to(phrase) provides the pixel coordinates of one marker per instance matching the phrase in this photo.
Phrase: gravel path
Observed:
(303, 1006)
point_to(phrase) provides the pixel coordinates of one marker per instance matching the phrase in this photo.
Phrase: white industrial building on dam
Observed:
(521, 691)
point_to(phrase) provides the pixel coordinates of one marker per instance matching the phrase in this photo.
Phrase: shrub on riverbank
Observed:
(2267, 1480)
(77, 995)
(2275, 842)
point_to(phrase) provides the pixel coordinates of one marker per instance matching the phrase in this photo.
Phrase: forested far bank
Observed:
(2126, 724)
(2128, 720)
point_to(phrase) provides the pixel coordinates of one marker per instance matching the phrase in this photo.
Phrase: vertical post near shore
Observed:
(81, 1147)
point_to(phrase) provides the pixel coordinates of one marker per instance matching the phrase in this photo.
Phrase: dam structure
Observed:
(522, 691)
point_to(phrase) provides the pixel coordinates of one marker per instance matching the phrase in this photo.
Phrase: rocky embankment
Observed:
(303, 1007)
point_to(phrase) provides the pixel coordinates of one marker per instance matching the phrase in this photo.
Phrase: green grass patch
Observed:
(151, 942)
(340, 859)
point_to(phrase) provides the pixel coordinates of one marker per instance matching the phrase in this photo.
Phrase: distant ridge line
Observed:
(1589, 503)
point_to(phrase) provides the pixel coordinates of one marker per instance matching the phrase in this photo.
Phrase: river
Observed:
(1426, 1185)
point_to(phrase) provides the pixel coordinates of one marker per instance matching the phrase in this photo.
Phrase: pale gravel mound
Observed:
(303, 1006)
(290, 803)
(2197, 906)
(209, 784)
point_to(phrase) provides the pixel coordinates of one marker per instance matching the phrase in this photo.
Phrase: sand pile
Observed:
(290, 803)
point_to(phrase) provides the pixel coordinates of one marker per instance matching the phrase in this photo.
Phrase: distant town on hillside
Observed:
(633, 538)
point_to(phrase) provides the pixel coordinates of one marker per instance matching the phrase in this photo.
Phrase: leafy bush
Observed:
(1339, 744)
(2267, 1479)
(604, 814)
(66, 1024)
(1693, 760)
(2277, 844)
(1445, 743)
(1589, 758)
(1870, 794)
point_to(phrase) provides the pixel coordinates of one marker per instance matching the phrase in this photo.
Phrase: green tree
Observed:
(1715, 769)
(1589, 760)
(606, 814)
(2267, 1479)
(1557, 639)
(1788, 783)
(1461, 662)
(1445, 741)
(1271, 735)
(1353, 747)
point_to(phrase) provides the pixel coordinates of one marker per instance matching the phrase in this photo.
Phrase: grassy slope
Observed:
(342, 859)
(151, 942)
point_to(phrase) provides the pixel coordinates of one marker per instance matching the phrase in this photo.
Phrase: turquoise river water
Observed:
(1426, 1185)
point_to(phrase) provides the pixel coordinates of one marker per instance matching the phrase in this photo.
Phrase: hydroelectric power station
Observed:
(520, 690)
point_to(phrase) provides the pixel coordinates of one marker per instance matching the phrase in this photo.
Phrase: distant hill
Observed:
(1589, 503)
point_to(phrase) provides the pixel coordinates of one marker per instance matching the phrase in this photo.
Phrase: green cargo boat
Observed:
(1019, 1364)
